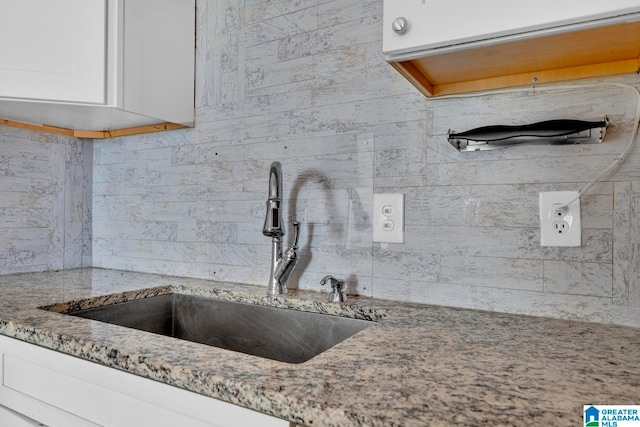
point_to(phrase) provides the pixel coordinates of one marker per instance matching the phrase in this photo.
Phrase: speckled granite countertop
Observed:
(418, 365)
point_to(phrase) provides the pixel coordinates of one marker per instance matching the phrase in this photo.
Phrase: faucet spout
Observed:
(282, 264)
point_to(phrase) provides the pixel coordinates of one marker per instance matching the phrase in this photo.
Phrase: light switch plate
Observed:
(388, 218)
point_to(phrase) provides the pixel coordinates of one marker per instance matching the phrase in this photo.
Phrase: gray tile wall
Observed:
(45, 189)
(305, 83)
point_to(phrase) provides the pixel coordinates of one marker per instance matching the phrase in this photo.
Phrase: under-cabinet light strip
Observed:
(615, 162)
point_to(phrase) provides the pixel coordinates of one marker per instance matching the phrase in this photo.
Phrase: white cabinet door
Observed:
(53, 50)
(437, 23)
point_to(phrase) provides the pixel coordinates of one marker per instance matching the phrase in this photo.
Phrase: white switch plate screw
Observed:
(559, 222)
(388, 218)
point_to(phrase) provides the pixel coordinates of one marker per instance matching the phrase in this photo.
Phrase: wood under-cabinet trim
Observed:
(601, 51)
(39, 128)
(517, 80)
(411, 73)
(104, 134)
(93, 134)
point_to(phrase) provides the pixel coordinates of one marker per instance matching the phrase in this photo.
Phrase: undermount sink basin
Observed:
(274, 333)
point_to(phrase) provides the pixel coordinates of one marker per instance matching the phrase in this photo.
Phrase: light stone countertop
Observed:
(417, 365)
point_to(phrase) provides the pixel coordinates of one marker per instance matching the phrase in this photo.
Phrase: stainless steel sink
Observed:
(274, 333)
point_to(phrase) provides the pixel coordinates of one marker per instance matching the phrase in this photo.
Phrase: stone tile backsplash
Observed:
(45, 199)
(305, 83)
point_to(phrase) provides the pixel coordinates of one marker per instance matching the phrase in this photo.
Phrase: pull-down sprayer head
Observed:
(273, 226)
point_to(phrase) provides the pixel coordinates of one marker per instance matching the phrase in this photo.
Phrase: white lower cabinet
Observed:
(39, 386)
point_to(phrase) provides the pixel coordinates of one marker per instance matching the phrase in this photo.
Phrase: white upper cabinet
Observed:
(97, 68)
(453, 46)
(440, 23)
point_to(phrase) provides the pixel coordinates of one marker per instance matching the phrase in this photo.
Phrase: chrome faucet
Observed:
(281, 264)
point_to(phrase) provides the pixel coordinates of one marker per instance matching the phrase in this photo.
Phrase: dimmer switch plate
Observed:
(388, 218)
(559, 222)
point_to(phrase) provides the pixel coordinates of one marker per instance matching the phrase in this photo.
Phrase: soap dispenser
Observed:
(337, 294)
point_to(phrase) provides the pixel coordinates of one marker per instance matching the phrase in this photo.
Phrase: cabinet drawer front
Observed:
(53, 50)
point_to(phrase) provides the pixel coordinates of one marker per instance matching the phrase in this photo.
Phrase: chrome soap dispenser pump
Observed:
(337, 293)
(281, 264)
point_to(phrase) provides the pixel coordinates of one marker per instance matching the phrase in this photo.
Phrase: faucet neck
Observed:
(276, 287)
(275, 181)
(282, 263)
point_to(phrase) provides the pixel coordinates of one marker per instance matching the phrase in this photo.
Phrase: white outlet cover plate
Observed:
(550, 235)
(388, 218)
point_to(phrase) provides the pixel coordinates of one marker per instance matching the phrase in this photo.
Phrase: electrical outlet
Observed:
(559, 222)
(560, 227)
(388, 218)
